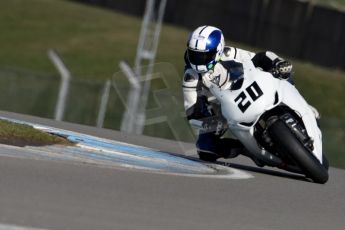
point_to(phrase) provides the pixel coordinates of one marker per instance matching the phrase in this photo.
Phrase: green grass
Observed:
(92, 41)
(22, 135)
(323, 88)
(334, 141)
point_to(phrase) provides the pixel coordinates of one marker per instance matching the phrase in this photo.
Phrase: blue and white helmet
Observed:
(204, 48)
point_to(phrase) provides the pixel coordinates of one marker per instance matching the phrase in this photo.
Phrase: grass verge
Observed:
(23, 135)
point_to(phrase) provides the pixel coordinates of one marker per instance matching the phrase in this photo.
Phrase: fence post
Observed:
(104, 103)
(146, 51)
(64, 84)
(128, 120)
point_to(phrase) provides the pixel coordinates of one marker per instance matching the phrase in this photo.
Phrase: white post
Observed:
(64, 84)
(143, 37)
(128, 119)
(133, 80)
(134, 118)
(104, 103)
(141, 116)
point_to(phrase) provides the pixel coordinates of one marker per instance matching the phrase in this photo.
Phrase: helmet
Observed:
(204, 48)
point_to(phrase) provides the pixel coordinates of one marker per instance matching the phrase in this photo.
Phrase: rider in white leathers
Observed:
(209, 60)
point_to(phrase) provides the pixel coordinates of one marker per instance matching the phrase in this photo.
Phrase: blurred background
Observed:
(85, 40)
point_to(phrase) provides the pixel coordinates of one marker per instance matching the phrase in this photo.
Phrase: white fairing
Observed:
(256, 96)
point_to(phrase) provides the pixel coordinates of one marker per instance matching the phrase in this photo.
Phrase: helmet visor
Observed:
(201, 58)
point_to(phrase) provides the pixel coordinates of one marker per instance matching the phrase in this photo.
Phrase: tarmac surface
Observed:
(50, 194)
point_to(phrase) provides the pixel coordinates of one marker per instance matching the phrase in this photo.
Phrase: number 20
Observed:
(254, 92)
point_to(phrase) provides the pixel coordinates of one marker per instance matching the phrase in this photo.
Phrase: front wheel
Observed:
(287, 143)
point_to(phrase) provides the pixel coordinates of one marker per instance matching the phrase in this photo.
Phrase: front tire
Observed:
(286, 142)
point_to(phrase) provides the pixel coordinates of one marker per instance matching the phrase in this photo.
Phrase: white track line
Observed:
(16, 227)
(94, 149)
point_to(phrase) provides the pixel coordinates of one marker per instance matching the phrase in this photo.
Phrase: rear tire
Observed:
(288, 144)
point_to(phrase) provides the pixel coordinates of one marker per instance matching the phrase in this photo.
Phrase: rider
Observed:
(209, 60)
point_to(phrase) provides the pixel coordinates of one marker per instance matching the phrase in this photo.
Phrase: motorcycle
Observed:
(273, 121)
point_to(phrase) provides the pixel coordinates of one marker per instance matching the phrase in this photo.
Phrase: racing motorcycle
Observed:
(273, 121)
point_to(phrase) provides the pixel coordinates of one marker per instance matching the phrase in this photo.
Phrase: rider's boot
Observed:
(229, 148)
(211, 147)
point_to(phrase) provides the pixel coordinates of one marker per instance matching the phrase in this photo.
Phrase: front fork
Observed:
(298, 130)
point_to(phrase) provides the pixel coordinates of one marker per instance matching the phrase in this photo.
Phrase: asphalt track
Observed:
(48, 194)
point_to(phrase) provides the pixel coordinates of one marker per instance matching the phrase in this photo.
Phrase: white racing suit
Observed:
(210, 144)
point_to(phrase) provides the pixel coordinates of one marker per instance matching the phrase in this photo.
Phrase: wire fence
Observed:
(26, 92)
(36, 94)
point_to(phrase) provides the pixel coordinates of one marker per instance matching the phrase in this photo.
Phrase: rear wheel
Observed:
(286, 143)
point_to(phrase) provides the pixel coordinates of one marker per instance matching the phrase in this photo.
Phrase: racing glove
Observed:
(216, 77)
(282, 69)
